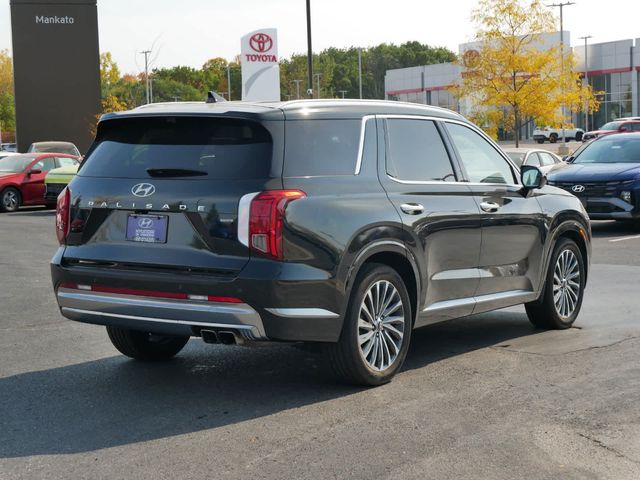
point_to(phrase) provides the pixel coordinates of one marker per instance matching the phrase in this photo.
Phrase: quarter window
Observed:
(481, 160)
(415, 151)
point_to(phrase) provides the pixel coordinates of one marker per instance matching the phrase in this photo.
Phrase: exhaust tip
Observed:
(227, 338)
(209, 336)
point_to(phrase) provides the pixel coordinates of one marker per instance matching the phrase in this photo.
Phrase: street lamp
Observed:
(309, 53)
(586, 82)
(297, 82)
(317, 75)
(561, 6)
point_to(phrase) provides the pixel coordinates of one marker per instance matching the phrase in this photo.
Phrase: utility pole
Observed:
(146, 74)
(297, 82)
(342, 92)
(561, 6)
(309, 53)
(228, 82)
(360, 70)
(317, 75)
(586, 82)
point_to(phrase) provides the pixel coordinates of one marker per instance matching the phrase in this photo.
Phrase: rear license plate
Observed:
(147, 228)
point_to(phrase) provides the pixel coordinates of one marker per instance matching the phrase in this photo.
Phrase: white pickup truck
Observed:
(555, 134)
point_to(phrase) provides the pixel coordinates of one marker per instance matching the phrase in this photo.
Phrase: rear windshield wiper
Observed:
(175, 172)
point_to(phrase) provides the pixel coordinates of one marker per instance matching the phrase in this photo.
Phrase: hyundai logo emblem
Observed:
(143, 190)
(578, 188)
(145, 222)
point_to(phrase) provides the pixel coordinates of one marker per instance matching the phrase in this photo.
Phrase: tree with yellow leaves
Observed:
(513, 75)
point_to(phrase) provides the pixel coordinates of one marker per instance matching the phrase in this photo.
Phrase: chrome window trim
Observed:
(363, 128)
(464, 124)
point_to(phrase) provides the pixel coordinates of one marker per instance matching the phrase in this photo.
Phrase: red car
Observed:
(617, 126)
(22, 178)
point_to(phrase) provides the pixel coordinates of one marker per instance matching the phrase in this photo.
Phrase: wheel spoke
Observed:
(381, 323)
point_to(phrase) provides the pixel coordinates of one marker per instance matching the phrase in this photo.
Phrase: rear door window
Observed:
(416, 152)
(321, 147)
(533, 159)
(194, 147)
(547, 159)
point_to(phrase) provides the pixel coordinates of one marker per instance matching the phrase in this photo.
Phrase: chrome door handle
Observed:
(489, 206)
(412, 208)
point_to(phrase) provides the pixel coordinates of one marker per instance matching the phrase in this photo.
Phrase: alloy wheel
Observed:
(566, 283)
(10, 200)
(381, 325)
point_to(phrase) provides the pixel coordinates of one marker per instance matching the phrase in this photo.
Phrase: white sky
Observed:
(188, 32)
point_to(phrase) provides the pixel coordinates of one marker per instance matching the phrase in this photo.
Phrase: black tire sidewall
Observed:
(371, 274)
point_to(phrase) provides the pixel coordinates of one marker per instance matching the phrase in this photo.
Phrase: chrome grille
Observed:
(591, 189)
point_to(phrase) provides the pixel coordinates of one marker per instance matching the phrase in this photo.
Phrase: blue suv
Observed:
(605, 175)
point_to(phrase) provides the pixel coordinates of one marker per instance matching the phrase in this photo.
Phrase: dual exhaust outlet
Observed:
(224, 337)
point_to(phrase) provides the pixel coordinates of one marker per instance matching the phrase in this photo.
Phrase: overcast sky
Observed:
(188, 32)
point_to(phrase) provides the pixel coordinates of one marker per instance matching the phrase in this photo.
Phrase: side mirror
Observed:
(532, 177)
(34, 171)
(622, 129)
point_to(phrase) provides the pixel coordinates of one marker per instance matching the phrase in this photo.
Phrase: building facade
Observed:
(610, 68)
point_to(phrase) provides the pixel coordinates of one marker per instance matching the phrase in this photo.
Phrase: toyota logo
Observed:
(578, 188)
(261, 42)
(145, 223)
(143, 190)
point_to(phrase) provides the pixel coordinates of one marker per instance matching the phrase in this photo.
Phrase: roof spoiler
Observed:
(213, 97)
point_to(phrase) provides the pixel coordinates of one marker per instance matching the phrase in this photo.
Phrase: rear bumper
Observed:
(301, 305)
(172, 317)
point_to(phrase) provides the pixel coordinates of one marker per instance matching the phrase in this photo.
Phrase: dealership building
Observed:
(611, 67)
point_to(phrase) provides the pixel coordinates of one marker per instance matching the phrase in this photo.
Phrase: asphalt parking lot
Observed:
(482, 397)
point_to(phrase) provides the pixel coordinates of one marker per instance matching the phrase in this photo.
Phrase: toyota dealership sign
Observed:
(260, 69)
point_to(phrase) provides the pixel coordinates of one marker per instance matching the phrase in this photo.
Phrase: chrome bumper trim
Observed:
(302, 312)
(100, 308)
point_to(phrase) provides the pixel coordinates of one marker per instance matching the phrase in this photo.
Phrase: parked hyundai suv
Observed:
(343, 223)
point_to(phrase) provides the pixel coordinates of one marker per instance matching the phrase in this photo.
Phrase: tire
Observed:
(10, 200)
(540, 140)
(546, 312)
(360, 363)
(553, 138)
(145, 346)
(578, 136)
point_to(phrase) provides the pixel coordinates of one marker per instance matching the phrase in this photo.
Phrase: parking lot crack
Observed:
(543, 354)
(601, 444)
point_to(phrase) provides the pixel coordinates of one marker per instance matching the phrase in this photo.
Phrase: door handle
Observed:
(489, 206)
(412, 208)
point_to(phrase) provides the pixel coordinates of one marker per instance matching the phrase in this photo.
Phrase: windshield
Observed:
(14, 164)
(611, 126)
(611, 150)
(517, 157)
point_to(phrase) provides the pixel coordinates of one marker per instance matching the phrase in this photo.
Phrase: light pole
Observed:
(360, 71)
(228, 81)
(146, 74)
(309, 53)
(561, 6)
(297, 82)
(317, 75)
(586, 82)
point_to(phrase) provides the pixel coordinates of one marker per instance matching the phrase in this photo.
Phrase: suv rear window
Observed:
(321, 147)
(200, 148)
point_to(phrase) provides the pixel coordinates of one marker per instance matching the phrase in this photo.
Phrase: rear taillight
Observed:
(62, 215)
(261, 220)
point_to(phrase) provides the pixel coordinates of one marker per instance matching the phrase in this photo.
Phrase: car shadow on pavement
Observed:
(33, 212)
(605, 229)
(115, 401)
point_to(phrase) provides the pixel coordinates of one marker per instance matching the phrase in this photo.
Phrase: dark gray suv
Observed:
(343, 223)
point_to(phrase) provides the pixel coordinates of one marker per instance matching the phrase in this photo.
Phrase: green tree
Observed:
(7, 101)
